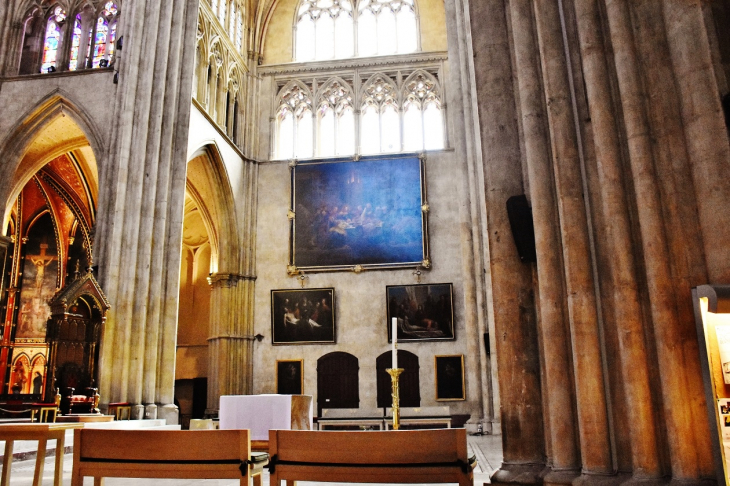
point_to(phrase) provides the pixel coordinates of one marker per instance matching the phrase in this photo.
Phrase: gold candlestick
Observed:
(394, 374)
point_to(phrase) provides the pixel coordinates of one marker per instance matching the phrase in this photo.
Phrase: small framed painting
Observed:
(290, 376)
(450, 377)
(303, 316)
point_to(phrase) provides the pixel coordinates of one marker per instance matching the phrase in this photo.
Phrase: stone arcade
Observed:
(153, 142)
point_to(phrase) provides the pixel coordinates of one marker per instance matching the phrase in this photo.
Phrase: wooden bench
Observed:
(177, 454)
(400, 456)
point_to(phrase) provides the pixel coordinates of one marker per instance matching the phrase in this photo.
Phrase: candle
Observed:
(395, 342)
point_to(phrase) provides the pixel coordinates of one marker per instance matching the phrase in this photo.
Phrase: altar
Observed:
(261, 413)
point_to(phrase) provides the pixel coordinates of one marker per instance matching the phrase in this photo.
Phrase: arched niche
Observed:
(78, 312)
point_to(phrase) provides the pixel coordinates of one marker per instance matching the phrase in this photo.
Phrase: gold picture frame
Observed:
(449, 371)
(290, 376)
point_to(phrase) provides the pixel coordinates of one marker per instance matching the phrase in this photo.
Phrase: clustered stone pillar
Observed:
(514, 309)
(141, 208)
(230, 341)
(555, 348)
(614, 108)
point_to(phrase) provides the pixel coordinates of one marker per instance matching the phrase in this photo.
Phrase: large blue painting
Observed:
(367, 213)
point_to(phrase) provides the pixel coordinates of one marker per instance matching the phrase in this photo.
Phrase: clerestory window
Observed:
(383, 116)
(333, 29)
(89, 44)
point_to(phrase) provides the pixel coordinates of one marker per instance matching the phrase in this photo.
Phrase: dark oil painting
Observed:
(303, 316)
(424, 312)
(366, 212)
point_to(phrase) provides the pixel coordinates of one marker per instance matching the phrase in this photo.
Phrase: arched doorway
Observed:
(209, 225)
(409, 381)
(338, 383)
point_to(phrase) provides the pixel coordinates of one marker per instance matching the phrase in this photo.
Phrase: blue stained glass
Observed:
(50, 46)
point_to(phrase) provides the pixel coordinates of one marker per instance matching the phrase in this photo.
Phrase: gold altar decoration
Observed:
(394, 374)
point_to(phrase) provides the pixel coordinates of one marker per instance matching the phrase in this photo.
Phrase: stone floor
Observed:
(486, 448)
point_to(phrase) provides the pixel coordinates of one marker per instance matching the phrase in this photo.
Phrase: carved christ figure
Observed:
(41, 262)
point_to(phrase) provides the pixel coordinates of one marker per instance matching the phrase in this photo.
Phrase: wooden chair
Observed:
(399, 456)
(178, 454)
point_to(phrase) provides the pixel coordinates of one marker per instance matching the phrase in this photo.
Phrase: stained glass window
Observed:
(106, 32)
(102, 31)
(52, 39)
(75, 44)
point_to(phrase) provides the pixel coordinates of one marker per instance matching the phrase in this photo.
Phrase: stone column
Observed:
(141, 202)
(627, 310)
(591, 394)
(704, 128)
(461, 105)
(563, 457)
(230, 345)
(511, 281)
(684, 448)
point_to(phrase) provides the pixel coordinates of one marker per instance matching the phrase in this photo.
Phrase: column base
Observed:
(150, 411)
(693, 482)
(594, 479)
(515, 474)
(559, 477)
(137, 412)
(170, 413)
(644, 481)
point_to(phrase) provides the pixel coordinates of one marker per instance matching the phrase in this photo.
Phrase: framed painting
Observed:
(303, 316)
(425, 312)
(358, 214)
(450, 377)
(290, 376)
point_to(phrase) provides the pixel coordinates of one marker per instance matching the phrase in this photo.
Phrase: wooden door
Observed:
(409, 382)
(337, 381)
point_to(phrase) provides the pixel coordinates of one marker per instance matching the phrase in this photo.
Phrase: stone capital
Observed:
(227, 279)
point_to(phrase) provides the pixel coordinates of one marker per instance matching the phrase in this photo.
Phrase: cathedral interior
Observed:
(230, 197)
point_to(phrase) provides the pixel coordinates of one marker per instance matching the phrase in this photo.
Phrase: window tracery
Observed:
(336, 121)
(325, 29)
(380, 130)
(383, 115)
(70, 40)
(422, 118)
(294, 120)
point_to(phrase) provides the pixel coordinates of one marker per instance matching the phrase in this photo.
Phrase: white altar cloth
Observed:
(261, 413)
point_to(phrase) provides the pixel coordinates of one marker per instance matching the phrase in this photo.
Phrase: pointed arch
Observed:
(15, 145)
(211, 189)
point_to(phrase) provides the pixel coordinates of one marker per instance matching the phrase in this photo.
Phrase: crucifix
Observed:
(41, 261)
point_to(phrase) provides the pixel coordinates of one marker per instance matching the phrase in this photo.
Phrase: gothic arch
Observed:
(219, 211)
(14, 147)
